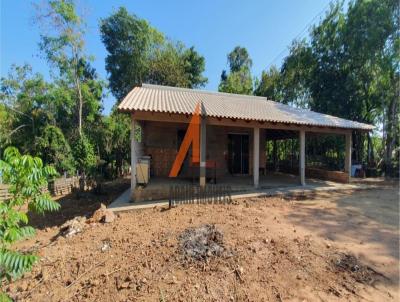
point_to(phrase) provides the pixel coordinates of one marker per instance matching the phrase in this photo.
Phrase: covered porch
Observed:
(232, 152)
(181, 136)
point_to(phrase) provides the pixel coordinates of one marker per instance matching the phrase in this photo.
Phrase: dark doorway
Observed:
(238, 153)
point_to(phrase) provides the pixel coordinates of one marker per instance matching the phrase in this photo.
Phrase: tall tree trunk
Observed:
(80, 108)
(392, 129)
(79, 89)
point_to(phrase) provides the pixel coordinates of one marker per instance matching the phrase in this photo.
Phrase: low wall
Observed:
(60, 186)
(337, 176)
(148, 193)
(63, 186)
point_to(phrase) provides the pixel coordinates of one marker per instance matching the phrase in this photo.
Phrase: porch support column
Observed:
(275, 155)
(256, 156)
(133, 156)
(347, 165)
(302, 160)
(203, 152)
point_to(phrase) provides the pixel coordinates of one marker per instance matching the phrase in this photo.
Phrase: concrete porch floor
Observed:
(241, 183)
(242, 187)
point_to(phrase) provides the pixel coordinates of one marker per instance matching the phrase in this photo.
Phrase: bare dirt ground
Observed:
(338, 246)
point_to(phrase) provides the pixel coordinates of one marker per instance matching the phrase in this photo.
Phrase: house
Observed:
(233, 131)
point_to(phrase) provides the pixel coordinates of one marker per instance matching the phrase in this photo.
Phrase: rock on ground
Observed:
(73, 226)
(103, 215)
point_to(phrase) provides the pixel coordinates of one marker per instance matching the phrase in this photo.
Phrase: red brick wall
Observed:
(160, 141)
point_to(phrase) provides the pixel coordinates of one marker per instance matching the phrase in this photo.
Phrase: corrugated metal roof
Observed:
(157, 98)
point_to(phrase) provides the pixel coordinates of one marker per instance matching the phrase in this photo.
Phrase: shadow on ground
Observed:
(370, 217)
(79, 204)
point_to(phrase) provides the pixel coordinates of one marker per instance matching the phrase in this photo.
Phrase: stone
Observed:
(105, 246)
(109, 216)
(73, 226)
(102, 215)
(98, 214)
(124, 285)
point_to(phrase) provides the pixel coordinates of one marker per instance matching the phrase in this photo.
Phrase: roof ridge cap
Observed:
(146, 85)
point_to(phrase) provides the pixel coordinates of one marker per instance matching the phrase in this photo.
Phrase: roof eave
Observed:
(370, 127)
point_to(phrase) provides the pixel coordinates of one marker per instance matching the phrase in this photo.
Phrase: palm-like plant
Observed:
(27, 178)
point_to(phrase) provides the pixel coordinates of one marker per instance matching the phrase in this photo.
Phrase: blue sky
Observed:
(265, 28)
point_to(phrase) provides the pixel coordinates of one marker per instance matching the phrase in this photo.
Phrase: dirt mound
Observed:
(201, 242)
(359, 272)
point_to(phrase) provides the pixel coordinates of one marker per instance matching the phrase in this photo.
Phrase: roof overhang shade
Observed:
(164, 99)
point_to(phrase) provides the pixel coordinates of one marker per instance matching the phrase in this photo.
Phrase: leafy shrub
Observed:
(54, 149)
(26, 177)
(84, 154)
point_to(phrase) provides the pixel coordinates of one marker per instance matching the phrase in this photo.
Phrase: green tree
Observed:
(24, 103)
(349, 68)
(239, 79)
(139, 53)
(194, 66)
(116, 140)
(5, 127)
(53, 148)
(84, 154)
(166, 66)
(238, 58)
(239, 82)
(129, 42)
(296, 75)
(173, 65)
(270, 85)
(26, 177)
(63, 47)
(350, 50)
